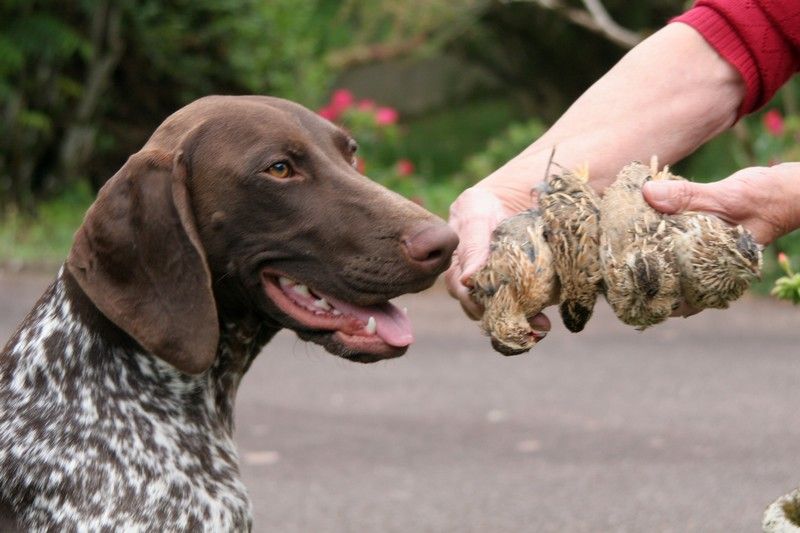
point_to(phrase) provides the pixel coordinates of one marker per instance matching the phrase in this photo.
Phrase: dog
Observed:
(240, 216)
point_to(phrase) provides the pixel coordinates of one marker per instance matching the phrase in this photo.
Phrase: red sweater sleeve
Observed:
(760, 38)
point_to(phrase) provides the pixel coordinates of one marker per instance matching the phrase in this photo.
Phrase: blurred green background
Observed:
(438, 92)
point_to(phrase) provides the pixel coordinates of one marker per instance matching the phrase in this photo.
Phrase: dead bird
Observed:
(717, 261)
(640, 272)
(571, 216)
(652, 262)
(517, 282)
(539, 258)
(576, 246)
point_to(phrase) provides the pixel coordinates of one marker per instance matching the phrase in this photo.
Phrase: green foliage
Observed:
(403, 156)
(787, 287)
(713, 161)
(390, 152)
(439, 141)
(160, 55)
(380, 155)
(83, 83)
(545, 60)
(279, 47)
(46, 238)
(499, 150)
(36, 48)
(203, 46)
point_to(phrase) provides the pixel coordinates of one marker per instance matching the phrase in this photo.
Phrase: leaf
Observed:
(35, 120)
(11, 56)
(787, 288)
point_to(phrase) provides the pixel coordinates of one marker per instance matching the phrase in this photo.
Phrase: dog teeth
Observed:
(285, 282)
(336, 312)
(302, 290)
(372, 326)
(405, 310)
(323, 304)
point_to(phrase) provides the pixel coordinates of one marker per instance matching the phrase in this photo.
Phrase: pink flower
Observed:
(404, 167)
(386, 115)
(341, 99)
(328, 112)
(783, 261)
(773, 122)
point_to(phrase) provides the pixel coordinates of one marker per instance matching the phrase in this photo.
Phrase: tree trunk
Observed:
(79, 138)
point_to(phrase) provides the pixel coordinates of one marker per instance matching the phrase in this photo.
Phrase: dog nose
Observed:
(429, 247)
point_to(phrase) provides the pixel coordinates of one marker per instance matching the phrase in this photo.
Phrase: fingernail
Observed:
(661, 193)
(658, 190)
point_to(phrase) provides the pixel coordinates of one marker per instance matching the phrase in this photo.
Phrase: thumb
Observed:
(473, 255)
(674, 196)
(474, 216)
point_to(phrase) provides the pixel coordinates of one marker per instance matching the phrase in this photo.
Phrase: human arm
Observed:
(667, 96)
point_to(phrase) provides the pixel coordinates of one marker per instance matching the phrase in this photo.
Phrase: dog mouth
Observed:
(363, 333)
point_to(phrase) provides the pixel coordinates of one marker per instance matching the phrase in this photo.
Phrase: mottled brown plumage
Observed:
(571, 215)
(516, 283)
(717, 268)
(694, 258)
(576, 245)
(642, 282)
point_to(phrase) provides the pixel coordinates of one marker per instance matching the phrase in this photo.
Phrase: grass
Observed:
(45, 238)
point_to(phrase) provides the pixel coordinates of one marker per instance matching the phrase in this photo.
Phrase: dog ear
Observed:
(138, 257)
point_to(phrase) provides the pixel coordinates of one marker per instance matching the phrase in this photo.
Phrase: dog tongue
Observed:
(393, 325)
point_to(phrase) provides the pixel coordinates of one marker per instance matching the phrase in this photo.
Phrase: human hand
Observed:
(762, 199)
(474, 215)
(606, 132)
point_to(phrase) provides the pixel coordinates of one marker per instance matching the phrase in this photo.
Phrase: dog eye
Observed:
(281, 169)
(352, 146)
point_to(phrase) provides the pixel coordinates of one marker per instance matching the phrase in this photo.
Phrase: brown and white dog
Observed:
(239, 217)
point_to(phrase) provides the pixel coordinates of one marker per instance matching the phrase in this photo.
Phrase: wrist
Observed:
(785, 188)
(516, 182)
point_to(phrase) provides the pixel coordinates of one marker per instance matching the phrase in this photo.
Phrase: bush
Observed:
(381, 153)
(788, 286)
(501, 149)
(45, 239)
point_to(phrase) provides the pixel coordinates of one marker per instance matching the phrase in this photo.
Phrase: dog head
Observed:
(252, 205)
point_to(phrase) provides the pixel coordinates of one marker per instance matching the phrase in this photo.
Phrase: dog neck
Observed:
(80, 350)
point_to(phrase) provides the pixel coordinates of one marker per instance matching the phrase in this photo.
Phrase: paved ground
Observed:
(691, 426)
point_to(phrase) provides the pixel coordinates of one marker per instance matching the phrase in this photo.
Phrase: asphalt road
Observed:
(690, 426)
